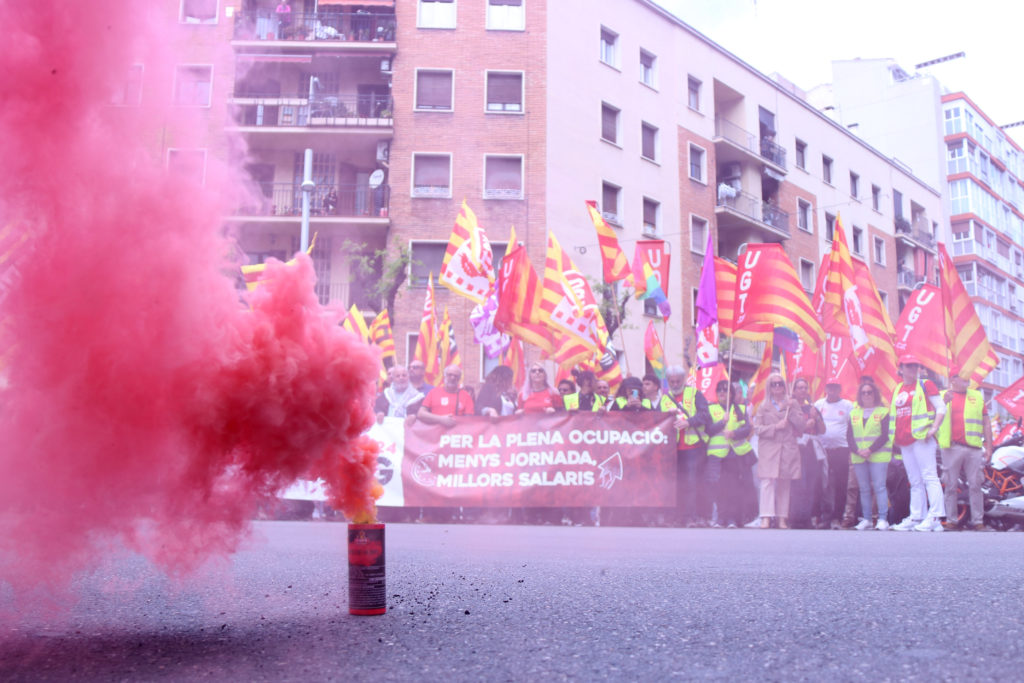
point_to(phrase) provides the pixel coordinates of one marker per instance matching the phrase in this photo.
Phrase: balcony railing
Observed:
(765, 148)
(324, 110)
(919, 234)
(285, 199)
(906, 278)
(267, 24)
(756, 209)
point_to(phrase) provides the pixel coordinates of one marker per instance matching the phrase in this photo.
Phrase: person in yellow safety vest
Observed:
(965, 437)
(916, 412)
(585, 398)
(870, 440)
(727, 472)
(603, 391)
(630, 396)
(693, 419)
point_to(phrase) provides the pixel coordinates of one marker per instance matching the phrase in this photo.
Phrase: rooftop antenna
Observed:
(940, 60)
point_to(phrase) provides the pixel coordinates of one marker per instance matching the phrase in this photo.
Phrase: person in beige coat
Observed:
(778, 423)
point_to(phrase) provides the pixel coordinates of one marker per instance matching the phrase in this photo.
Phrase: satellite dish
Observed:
(376, 178)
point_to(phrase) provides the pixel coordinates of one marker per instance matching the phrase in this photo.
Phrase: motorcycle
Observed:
(1003, 486)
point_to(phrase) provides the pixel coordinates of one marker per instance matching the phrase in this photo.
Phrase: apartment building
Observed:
(525, 109)
(949, 139)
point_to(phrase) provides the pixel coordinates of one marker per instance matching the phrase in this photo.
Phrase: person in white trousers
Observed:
(916, 413)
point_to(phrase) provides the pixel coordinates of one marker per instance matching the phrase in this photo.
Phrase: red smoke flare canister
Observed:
(367, 592)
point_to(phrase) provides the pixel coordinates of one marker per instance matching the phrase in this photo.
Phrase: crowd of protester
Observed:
(789, 462)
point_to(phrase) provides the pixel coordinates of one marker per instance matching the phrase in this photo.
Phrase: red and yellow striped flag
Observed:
(969, 348)
(569, 308)
(768, 291)
(838, 283)
(880, 331)
(514, 358)
(355, 323)
(519, 300)
(253, 274)
(426, 344)
(725, 286)
(613, 260)
(759, 382)
(448, 351)
(468, 267)
(380, 334)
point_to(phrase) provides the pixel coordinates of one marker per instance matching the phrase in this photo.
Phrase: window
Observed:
(609, 47)
(693, 93)
(897, 204)
(956, 158)
(198, 12)
(426, 259)
(189, 164)
(648, 75)
(610, 203)
(803, 215)
(649, 141)
(651, 211)
(830, 227)
(436, 14)
(505, 15)
(434, 89)
(503, 177)
(431, 175)
(807, 274)
(697, 157)
(858, 241)
(854, 185)
(504, 92)
(876, 198)
(826, 169)
(609, 123)
(953, 124)
(698, 235)
(801, 154)
(192, 85)
(128, 93)
(879, 250)
(884, 297)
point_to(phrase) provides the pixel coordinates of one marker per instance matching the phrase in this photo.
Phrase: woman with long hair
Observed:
(870, 453)
(539, 396)
(778, 423)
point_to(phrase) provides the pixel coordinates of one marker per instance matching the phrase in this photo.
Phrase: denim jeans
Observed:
(871, 478)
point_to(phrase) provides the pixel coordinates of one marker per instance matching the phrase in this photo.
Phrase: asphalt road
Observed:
(549, 603)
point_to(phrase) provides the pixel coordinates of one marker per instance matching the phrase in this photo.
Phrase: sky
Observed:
(800, 38)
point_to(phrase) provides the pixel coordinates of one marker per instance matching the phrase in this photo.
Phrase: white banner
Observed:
(390, 434)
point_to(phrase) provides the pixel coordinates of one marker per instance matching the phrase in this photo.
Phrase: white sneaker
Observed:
(929, 524)
(906, 525)
(882, 525)
(863, 525)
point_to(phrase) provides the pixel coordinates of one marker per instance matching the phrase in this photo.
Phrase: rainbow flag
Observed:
(654, 351)
(653, 291)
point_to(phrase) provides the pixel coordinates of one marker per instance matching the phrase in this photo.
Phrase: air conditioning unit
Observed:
(383, 151)
(731, 171)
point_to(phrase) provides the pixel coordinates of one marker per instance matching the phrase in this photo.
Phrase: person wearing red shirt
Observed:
(917, 411)
(445, 402)
(539, 397)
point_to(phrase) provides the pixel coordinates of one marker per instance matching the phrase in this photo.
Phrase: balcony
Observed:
(263, 25)
(906, 279)
(323, 111)
(739, 209)
(737, 144)
(349, 201)
(917, 235)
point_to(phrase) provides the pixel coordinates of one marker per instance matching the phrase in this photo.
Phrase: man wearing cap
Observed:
(835, 411)
(916, 412)
(965, 437)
